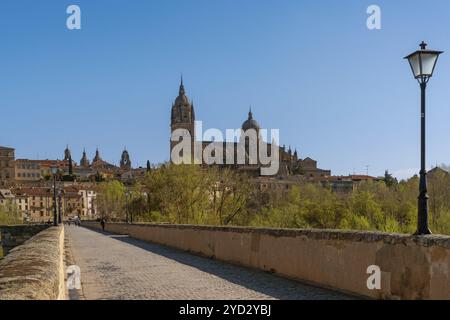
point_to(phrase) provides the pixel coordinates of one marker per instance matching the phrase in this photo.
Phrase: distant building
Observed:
(347, 184)
(183, 117)
(37, 203)
(7, 168)
(125, 162)
(6, 196)
(437, 171)
(84, 162)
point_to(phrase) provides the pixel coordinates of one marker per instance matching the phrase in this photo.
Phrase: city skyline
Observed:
(313, 74)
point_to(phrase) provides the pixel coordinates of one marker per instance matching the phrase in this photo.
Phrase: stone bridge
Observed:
(131, 261)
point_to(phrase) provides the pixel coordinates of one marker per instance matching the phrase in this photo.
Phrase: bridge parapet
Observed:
(411, 267)
(35, 270)
(16, 235)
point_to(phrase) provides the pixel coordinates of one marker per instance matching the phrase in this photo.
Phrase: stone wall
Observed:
(13, 236)
(411, 267)
(35, 270)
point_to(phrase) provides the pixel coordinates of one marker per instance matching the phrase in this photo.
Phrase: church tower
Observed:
(67, 153)
(84, 162)
(183, 116)
(251, 125)
(97, 157)
(125, 162)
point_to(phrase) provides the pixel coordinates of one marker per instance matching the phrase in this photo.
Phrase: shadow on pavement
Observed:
(266, 283)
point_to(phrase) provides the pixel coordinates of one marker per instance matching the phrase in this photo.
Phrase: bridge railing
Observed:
(370, 264)
(35, 269)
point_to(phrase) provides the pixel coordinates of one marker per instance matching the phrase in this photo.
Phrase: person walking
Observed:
(103, 222)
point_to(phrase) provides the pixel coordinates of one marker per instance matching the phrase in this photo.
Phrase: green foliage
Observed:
(193, 195)
(111, 200)
(211, 196)
(376, 206)
(9, 214)
(389, 179)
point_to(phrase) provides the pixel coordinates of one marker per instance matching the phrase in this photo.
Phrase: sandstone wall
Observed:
(35, 270)
(412, 267)
(13, 236)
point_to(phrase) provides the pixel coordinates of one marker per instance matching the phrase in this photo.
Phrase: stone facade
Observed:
(35, 270)
(183, 117)
(36, 204)
(7, 168)
(13, 236)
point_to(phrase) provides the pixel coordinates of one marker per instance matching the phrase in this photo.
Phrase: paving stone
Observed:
(120, 268)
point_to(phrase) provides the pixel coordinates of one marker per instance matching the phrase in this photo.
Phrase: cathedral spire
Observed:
(182, 91)
(67, 153)
(125, 162)
(97, 156)
(250, 114)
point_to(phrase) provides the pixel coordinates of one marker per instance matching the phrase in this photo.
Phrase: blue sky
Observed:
(337, 91)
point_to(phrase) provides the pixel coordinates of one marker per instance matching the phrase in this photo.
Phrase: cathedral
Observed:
(183, 117)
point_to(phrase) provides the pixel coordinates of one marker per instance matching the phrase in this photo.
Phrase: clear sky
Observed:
(337, 91)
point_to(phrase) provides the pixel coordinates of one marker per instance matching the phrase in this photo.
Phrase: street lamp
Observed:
(59, 206)
(422, 64)
(54, 171)
(127, 199)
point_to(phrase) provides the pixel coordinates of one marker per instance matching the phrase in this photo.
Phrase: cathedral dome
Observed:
(250, 123)
(182, 108)
(182, 99)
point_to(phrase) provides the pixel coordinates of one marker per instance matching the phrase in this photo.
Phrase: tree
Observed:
(439, 192)
(10, 214)
(230, 193)
(192, 194)
(70, 166)
(111, 200)
(178, 192)
(389, 179)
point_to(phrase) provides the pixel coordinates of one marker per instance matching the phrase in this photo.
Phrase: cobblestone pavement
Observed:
(118, 267)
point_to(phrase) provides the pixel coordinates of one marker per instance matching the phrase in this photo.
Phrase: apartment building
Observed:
(7, 169)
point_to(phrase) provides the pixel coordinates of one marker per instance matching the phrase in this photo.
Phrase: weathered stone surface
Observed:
(119, 267)
(357, 236)
(411, 267)
(13, 236)
(35, 270)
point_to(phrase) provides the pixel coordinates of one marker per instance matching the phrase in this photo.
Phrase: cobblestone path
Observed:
(118, 267)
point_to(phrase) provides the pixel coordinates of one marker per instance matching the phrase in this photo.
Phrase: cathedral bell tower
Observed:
(125, 162)
(183, 117)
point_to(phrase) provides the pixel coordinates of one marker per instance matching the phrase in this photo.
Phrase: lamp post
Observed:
(127, 199)
(54, 171)
(59, 206)
(422, 64)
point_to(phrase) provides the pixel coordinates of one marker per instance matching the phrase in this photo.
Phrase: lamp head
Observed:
(423, 62)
